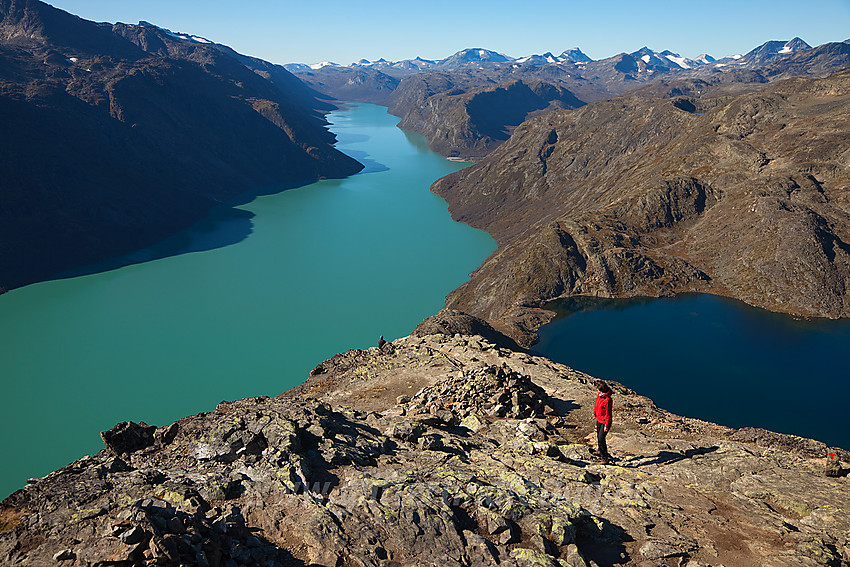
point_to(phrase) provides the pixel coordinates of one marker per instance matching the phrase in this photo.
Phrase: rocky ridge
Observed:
(435, 450)
(743, 196)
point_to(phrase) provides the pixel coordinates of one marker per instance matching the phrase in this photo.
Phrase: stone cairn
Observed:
(489, 391)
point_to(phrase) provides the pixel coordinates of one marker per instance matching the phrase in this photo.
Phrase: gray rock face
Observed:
(366, 464)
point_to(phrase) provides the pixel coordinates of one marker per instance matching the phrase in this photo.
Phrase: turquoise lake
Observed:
(244, 303)
(713, 358)
(247, 301)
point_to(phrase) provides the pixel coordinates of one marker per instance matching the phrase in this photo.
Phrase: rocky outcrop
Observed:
(637, 197)
(438, 451)
(117, 136)
(453, 322)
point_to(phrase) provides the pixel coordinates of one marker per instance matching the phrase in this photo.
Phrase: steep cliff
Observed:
(742, 196)
(116, 136)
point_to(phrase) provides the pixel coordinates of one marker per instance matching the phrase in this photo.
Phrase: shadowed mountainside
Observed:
(117, 136)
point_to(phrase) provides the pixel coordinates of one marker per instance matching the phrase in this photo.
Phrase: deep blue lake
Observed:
(713, 358)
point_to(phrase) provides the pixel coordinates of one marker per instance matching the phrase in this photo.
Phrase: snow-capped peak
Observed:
(795, 44)
(323, 64)
(575, 55)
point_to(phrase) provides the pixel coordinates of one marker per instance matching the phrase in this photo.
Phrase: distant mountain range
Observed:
(470, 102)
(485, 58)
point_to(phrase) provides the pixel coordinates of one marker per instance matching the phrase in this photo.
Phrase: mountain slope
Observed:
(462, 119)
(116, 136)
(746, 197)
(351, 84)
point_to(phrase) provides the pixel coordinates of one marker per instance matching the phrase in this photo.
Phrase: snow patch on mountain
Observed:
(680, 61)
(176, 35)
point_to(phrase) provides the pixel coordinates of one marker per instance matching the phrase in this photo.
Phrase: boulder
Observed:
(128, 437)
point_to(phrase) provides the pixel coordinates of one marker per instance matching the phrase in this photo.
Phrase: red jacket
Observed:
(602, 408)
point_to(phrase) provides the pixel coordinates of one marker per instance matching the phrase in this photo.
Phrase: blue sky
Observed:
(283, 31)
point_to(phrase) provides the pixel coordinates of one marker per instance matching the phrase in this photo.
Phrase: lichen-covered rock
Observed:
(332, 474)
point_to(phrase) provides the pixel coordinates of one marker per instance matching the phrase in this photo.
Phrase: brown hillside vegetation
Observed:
(745, 196)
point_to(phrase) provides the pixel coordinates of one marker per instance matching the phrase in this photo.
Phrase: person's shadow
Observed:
(669, 457)
(605, 548)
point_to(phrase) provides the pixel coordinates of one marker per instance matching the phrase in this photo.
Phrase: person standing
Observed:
(602, 412)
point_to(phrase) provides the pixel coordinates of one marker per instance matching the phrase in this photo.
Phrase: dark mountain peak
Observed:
(650, 57)
(31, 21)
(625, 63)
(772, 49)
(479, 54)
(797, 44)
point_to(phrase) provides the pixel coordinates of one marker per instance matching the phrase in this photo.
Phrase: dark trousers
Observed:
(600, 439)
